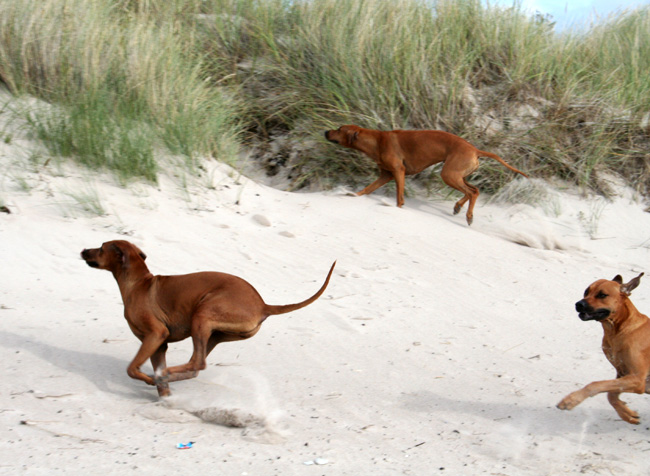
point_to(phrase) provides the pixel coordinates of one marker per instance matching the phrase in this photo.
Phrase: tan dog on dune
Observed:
(210, 307)
(626, 344)
(400, 153)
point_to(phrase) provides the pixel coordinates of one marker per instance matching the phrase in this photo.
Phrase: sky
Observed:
(568, 13)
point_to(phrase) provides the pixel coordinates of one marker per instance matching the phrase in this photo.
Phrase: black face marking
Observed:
(588, 313)
(586, 292)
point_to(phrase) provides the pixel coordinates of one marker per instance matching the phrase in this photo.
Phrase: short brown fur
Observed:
(399, 153)
(626, 344)
(210, 307)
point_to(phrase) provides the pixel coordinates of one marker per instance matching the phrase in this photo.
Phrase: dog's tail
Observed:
(270, 310)
(482, 153)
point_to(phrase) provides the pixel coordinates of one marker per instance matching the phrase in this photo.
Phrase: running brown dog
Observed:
(400, 153)
(209, 306)
(626, 344)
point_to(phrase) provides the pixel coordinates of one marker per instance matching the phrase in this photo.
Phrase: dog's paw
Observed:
(628, 415)
(569, 402)
(634, 420)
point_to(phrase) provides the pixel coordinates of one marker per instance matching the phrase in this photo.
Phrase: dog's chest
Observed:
(178, 332)
(614, 350)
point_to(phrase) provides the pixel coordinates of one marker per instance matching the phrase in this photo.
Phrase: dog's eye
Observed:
(601, 295)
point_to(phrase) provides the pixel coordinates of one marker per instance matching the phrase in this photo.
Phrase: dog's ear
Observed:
(627, 288)
(352, 136)
(118, 251)
(618, 279)
(140, 252)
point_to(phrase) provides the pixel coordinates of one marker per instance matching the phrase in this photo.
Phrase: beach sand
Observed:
(437, 348)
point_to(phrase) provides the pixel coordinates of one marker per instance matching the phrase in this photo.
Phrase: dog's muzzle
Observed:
(588, 313)
(90, 262)
(331, 140)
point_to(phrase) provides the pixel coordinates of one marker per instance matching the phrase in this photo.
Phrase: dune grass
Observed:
(459, 66)
(206, 77)
(125, 81)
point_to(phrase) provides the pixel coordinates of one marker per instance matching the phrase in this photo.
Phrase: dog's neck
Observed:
(131, 275)
(625, 319)
(370, 148)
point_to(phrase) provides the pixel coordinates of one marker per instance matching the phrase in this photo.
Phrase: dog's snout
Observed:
(582, 306)
(327, 137)
(87, 256)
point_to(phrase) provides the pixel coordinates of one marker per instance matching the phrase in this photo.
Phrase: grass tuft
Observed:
(126, 79)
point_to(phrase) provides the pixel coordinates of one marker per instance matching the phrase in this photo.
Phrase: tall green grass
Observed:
(125, 79)
(188, 76)
(445, 64)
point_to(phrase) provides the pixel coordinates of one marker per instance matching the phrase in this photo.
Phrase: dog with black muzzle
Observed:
(626, 344)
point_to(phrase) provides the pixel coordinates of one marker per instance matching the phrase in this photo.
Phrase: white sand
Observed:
(438, 348)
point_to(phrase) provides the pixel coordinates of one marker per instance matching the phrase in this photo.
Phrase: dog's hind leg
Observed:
(201, 332)
(622, 409)
(189, 370)
(206, 334)
(472, 201)
(457, 181)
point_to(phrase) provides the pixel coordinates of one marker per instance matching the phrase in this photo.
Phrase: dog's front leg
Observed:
(150, 345)
(384, 177)
(627, 384)
(400, 181)
(159, 364)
